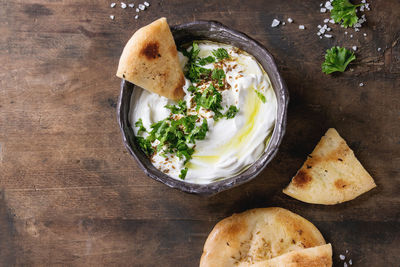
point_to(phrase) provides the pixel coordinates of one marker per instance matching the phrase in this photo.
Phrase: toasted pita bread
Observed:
(257, 235)
(320, 256)
(331, 174)
(150, 60)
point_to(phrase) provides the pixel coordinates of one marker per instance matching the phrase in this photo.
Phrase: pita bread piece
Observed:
(331, 174)
(150, 60)
(258, 235)
(320, 256)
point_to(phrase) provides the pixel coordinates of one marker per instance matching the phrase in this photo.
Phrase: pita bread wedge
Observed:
(320, 256)
(331, 174)
(257, 235)
(150, 60)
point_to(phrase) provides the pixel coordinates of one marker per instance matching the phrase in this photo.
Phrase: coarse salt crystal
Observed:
(351, 36)
(328, 5)
(344, 264)
(345, 32)
(146, 4)
(365, 34)
(323, 10)
(354, 48)
(275, 23)
(357, 29)
(131, 5)
(302, 27)
(319, 33)
(363, 1)
(322, 30)
(142, 7)
(347, 251)
(113, 4)
(137, 10)
(379, 49)
(361, 84)
(290, 20)
(283, 23)
(328, 29)
(328, 35)
(123, 5)
(350, 262)
(112, 16)
(319, 26)
(137, 16)
(326, 20)
(342, 257)
(321, 4)
(332, 21)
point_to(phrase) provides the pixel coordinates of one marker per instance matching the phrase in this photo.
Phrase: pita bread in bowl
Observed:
(258, 235)
(150, 60)
(331, 174)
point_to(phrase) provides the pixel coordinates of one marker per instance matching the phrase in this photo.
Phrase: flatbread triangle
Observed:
(150, 60)
(257, 235)
(331, 174)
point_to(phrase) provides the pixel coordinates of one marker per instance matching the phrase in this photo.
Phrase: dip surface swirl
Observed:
(237, 133)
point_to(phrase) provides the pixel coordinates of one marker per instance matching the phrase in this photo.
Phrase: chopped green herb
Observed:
(183, 173)
(194, 72)
(336, 59)
(344, 12)
(192, 88)
(231, 113)
(206, 60)
(260, 96)
(220, 53)
(199, 133)
(145, 145)
(179, 109)
(210, 99)
(139, 124)
(219, 76)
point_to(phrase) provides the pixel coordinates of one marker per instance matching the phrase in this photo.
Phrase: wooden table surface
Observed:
(71, 194)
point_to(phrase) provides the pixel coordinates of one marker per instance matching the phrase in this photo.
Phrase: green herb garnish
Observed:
(336, 59)
(206, 60)
(210, 99)
(220, 53)
(139, 124)
(231, 113)
(219, 76)
(344, 12)
(179, 109)
(145, 145)
(260, 96)
(183, 173)
(194, 72)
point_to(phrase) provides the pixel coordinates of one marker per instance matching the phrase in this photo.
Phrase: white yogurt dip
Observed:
(230, 145)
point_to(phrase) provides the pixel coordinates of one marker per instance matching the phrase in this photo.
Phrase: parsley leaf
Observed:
(219, 76)
(260, 96)
(210, 99)
(145, 145)
(192, 89)
(336, 59)
(194, 72)
(220, 53)
(344, 12)
(139, 124)
(206, 60)
(179, 109)
(199, 133)
(232, 111)
(183, 173)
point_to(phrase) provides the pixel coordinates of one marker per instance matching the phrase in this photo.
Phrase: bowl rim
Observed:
(227, 183)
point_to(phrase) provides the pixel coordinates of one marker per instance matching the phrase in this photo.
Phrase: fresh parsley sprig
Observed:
(139, 124)
(336, 59)
(344, 12)
(220, 53)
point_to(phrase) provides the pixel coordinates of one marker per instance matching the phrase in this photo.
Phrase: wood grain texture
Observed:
(70, 193)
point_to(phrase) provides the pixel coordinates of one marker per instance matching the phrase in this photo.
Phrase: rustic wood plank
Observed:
(72, 195)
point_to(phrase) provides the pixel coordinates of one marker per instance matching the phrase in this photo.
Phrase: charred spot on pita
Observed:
(302, 179)
(151, 50)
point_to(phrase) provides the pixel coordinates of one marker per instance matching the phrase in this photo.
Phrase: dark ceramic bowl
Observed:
(212, 31)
